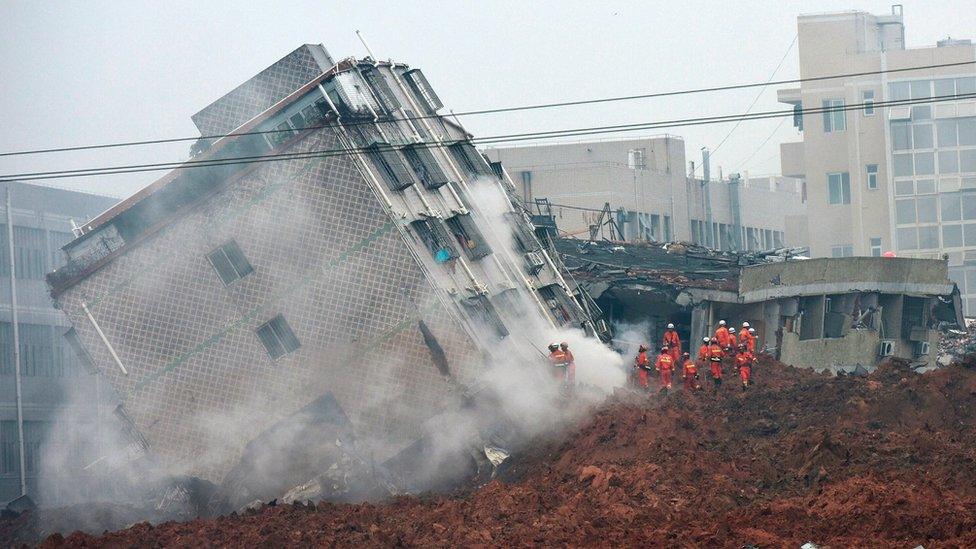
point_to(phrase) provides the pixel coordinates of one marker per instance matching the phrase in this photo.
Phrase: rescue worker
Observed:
(733, 340)
(641, 366)
(747, 337)
(558, 359)
(690, 371)
(665, 364)
(744, 361)
(703, 352)
(570, 364)
(672, 342)
(722, 335)
(715, 355)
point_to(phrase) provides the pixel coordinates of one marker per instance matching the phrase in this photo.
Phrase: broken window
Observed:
(314, 114)
(469, 158)
(281, 133)
(550, 296)
(390, 166)
(381, 88)
(425, 166)
(913, 315)
(483, 311)
(229, 262)
(435, 238)
(421, 87)
(468, 236)
(525, 239)
(277, 337)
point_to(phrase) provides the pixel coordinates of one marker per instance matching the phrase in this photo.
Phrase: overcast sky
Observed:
(76, 73)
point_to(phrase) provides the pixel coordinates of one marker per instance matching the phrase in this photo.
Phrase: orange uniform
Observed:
(743, 362)
(570, 367)
(723, 336)
(749, 340)
(690, 372)
(703, 353)
(642, 365)
(560, 362)
(715, 355)
(665, 365)
(673, 343)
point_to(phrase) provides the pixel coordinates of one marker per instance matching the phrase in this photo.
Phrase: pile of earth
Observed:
(885, 460)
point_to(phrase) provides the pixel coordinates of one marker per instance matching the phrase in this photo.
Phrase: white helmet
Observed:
(745, 324)
(752, 330)
(731, 329)
(670, 326)
(721, 323)
(704, 340)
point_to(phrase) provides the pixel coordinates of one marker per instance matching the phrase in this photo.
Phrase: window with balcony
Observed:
(389, 165)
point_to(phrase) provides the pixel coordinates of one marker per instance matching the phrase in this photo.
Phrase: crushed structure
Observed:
(362, 267)
(837, 314)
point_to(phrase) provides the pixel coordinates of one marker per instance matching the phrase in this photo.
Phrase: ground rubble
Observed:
(887, 459)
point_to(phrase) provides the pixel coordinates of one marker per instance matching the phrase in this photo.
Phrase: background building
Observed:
(55, 385)
(580, 178)
(899, 178)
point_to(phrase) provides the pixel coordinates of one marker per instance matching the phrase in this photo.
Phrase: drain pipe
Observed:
(101, 334)
(16, 328)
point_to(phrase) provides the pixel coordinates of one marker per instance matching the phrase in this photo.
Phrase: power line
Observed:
(758, 95)
(761, 145)
(510, 138)
(505, 109)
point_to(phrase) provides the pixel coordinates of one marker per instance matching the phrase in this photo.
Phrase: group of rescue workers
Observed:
(724, 349)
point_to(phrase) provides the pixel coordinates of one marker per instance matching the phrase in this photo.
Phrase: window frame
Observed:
(237, 261)
(868, 108)
(830, 116)
(844, 189)
(872, 176)
(278, 332)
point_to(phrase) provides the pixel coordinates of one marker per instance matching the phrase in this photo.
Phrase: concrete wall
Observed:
(840, 275)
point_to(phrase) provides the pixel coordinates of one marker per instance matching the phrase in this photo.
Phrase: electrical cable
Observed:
(506, 109)
(510, 138)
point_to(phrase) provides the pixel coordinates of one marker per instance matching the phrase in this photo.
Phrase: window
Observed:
(867, 97)
(928, 237)
(947, 133)
(967, 162)
(925, 186)
(921, 112)
(468, 236)
(381, 89)
(945, 87)
(907, 238)
(966, 84)
(922, 136)
(424, 164)
(872, 176)
(901, 136)
(905, 187)
(924, 163)
(833, 115)
(839, 188)
(229, 262)
(967, 131)
(842, 251)
(948, 162)
(952, 236)
(905, 211)
(468, 158)
(277, 337)
(483, 311)
(902, 164)
(421, 88)
(282, 132)
(390, 166)
(667, 228)
(920, 89)
(876, 247)
(968, 206)
(433, 235)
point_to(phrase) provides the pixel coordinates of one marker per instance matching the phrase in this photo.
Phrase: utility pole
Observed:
(635, 161)
(707, 198)
(16, 329)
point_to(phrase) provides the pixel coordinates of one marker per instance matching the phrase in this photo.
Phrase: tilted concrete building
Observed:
(896, 178)
(248, 290)
(644, 182)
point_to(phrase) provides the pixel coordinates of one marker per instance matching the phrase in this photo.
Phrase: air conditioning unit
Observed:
(921, 348)
(535, 261)
(601, 326)
(887, 348)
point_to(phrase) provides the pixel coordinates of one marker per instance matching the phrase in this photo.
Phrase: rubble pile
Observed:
(887, 459)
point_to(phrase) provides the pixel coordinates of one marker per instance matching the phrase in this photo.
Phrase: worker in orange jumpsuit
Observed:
(641, 366)
(703, 352)
(570, 364)
(715, 355)
(558, 359)
(672, 342)
(722, 335)
(665, 364)
(744, 361)
(690, 371)
(733, 340)
(751, 344)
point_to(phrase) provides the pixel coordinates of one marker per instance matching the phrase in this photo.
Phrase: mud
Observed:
(883, 460)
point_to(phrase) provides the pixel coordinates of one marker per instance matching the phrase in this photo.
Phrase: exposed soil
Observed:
(887, 460)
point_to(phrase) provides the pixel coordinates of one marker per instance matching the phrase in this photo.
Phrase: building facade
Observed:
(55, 385)
(377, 259)
(896, 178)
(579, 179)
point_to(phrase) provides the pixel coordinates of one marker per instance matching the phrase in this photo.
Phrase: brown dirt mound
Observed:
(883, 460)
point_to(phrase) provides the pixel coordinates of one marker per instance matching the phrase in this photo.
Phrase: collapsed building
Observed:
(837, 314)
(347, 257)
